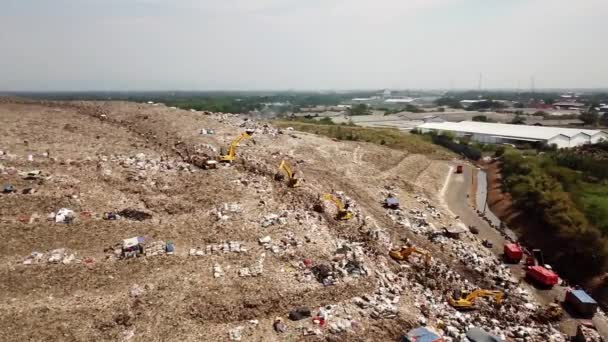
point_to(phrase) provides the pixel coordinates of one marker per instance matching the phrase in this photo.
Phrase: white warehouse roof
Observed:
(399, 100)
(507, 130)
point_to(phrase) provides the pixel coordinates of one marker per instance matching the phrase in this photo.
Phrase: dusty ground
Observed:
(84, 169)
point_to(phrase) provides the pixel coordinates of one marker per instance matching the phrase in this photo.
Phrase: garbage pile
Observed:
(55, 256)
(137, 246)
(429, 207)
(272, 219)
(63, 215)
(222, 212)
(513, 318)
(254, 270)
(348, 261)
(140, 166)
(286, 242)
(219, 248)
(131, 214)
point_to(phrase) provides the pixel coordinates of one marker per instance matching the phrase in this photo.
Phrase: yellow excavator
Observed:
(231, 155)
(459, 301)
(292, 181)
(405, 252)
(342, 214)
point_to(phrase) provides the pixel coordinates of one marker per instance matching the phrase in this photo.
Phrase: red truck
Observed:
(513, 253)
(542, 276)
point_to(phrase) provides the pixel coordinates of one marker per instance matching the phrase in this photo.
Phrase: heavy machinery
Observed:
(405, 252)
(459, 301)
(292, 181)
(231, 155)
(550, 313)
(512, 253)
(342, 214)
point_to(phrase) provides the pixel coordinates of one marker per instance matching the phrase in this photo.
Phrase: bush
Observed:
(500, 150)
(480, 118)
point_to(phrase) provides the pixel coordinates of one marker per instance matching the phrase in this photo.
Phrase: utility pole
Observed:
(532, 85)
(479, 82)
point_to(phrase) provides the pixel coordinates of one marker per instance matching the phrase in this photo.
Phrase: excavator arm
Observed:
(405, 252)
(231, 155)
(485, 293)
(468, 302)
(292, 181)
(343, 214)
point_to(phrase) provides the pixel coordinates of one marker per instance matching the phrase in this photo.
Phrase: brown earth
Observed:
(183, 301)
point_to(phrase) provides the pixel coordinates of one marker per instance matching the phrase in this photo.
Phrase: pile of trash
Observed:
(219, 248)
(63, 215)
(430, 208)
(287, 241)
(159, 248)
(254, 270)
(222, 212)
(55, 256)
(141, 162)
(348, 261)
(131, 214)
(137, 246)
(272, 219)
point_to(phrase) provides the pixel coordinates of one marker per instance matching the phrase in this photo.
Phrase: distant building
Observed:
(572, 105)
(432, 118)
(495, 133)
(399, 100)
(386, 94)
(468, 103)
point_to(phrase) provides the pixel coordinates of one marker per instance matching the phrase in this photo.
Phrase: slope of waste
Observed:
(119, 225)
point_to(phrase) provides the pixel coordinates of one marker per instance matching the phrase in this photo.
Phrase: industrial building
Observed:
(496, 133)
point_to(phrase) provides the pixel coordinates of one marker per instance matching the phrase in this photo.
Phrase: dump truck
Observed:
(422, 334)
(512, 253)
(542, 276)
(581, 302)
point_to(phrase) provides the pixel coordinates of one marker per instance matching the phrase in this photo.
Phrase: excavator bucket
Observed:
(342, 213)
(292, 181)
(231, 155)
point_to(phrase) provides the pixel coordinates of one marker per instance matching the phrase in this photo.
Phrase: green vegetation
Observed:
(567, 192)
(462, 146)
(392, 138)
(590, 118)
(449, 102)
(413, 109)
(360, 109)
(480, 118)
(518, 120)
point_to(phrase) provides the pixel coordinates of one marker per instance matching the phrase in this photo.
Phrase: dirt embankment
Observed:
(531, 232)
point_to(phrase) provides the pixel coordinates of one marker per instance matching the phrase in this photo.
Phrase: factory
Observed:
(496, 133)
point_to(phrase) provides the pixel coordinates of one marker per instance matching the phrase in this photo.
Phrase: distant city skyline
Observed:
(146, 45)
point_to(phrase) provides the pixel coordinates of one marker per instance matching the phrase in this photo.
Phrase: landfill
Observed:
(143, 241)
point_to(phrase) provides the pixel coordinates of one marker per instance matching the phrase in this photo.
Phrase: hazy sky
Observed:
(301, 44)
